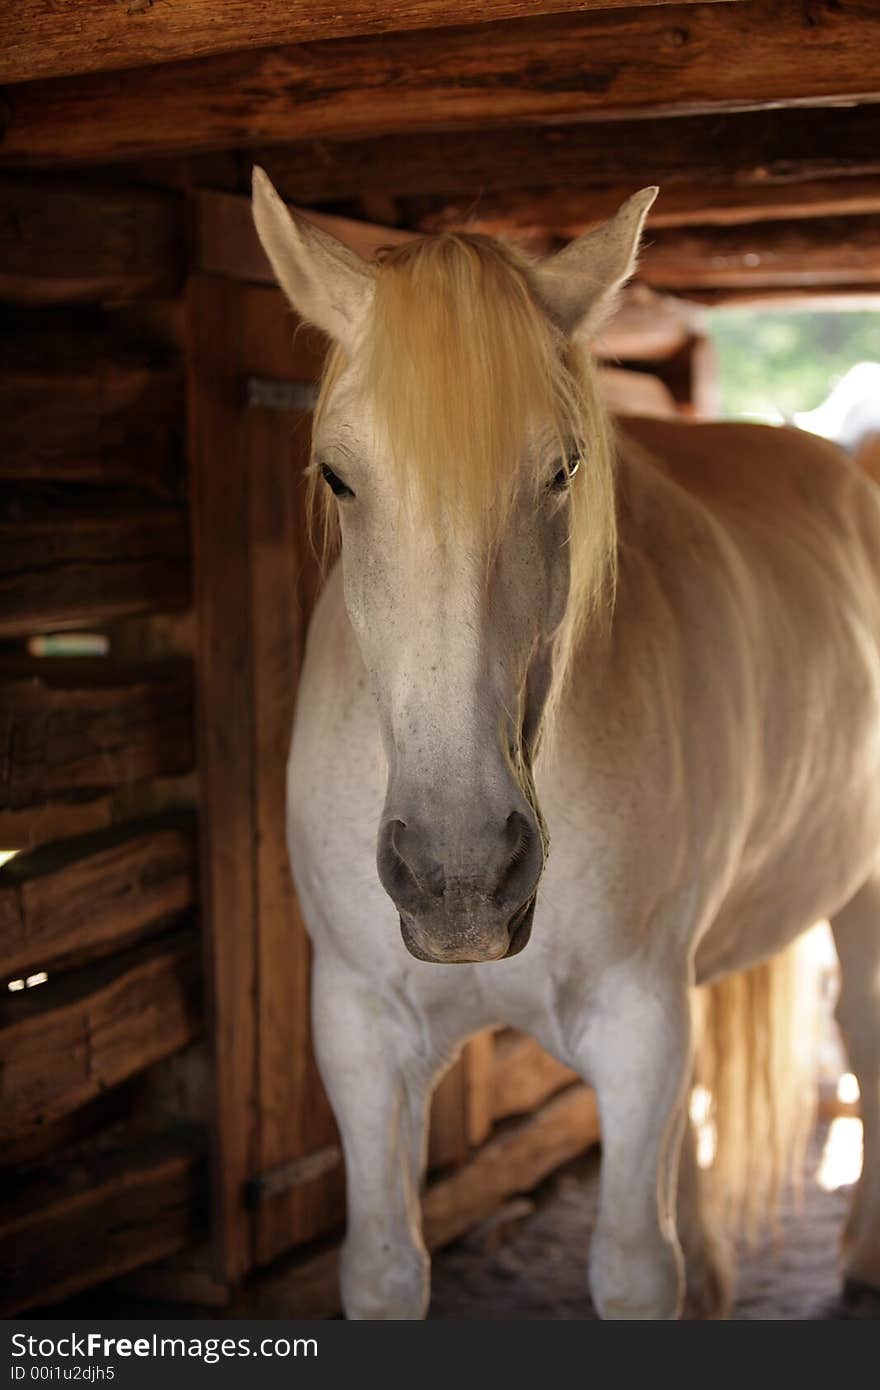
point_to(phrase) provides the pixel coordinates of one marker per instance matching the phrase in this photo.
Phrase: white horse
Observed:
(684, 619)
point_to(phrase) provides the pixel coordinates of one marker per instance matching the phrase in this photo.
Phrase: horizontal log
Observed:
(636, 62)
(65, 1042)
(514, 1161)
(65, 242)
(82, 406)
(85, 36)
(76, 728)
(717, 151)
(831, 251)
(83, 898)
(530, 214)
(63, 567)
(226, 241)
(524, 1076)
(116, 1206)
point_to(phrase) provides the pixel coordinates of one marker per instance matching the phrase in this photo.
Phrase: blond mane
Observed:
(462, 368)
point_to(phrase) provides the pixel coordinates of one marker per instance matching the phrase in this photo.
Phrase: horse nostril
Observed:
(525, 859)
(405, 872)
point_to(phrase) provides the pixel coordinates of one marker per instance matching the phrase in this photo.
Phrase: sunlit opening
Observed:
(841, 1161)
(700, 1109)
(38, 978)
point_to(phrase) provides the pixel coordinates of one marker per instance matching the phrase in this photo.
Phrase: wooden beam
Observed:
(75, 565)
(68, 1226)
(255, 583)
(524, 1076)
(671, 59)
(226, 241)
(97, 35)
(78, 404)
(65, 1042)
(832, 251)
(83, 898)
(746, 148)
(66, 242)
(78, 727)
(566, 214)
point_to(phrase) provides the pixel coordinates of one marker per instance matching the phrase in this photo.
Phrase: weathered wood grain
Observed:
(69, 1225)
(565, 214)
(65, 1042)
(97, 35)
(80, 403)
(76, 728)
(84, 561)
(84, 898)
(831, 251)
(745, 149)
(671, 59)
(65, 242)
(524, 1076)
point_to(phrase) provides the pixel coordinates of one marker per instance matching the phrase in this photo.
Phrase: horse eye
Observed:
(566, 473)
(334, 482)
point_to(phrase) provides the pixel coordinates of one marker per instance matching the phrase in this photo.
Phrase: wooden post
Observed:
(252, 584)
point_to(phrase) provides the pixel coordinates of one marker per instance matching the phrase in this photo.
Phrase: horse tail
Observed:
(753, 1061)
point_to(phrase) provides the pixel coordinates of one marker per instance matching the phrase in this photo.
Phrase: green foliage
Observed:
(773, 363)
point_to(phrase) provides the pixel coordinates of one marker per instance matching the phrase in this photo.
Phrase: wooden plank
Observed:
(832, 251)
(70, 1225)
(461, 1107)
(295, 1119)
(73, 728)
(514, 1161)
(744, 149)
(97, 35)
(67, 566)
(84, 898)
(479, 1108)
(567, 214)
(448, 1138)
(225, 722)
(524, 1076)
(66, 242)
(656, 60)
(26, 827)
(226, 241)
(64, 1042)
(79, 402)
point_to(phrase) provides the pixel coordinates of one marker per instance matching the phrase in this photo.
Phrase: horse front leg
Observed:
(379, 1082)
(636, 1052)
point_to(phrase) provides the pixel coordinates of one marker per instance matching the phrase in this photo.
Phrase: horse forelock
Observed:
(465, 375)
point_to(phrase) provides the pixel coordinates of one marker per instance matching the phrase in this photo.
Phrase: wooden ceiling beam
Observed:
(750, 148)
(828, 252)
(667, 59)
(567, 213)
(52, 40)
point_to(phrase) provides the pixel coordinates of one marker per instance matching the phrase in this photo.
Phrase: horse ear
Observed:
(327, 284)
(580, 284)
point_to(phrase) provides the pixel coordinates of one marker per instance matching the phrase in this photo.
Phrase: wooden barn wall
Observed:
(100, 944)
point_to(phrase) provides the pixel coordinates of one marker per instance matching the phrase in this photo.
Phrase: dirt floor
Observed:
(538, 1270)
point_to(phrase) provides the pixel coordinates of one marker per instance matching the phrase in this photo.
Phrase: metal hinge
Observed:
(267, 394)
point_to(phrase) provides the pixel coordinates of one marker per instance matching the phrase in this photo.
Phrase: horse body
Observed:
(711, 788)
